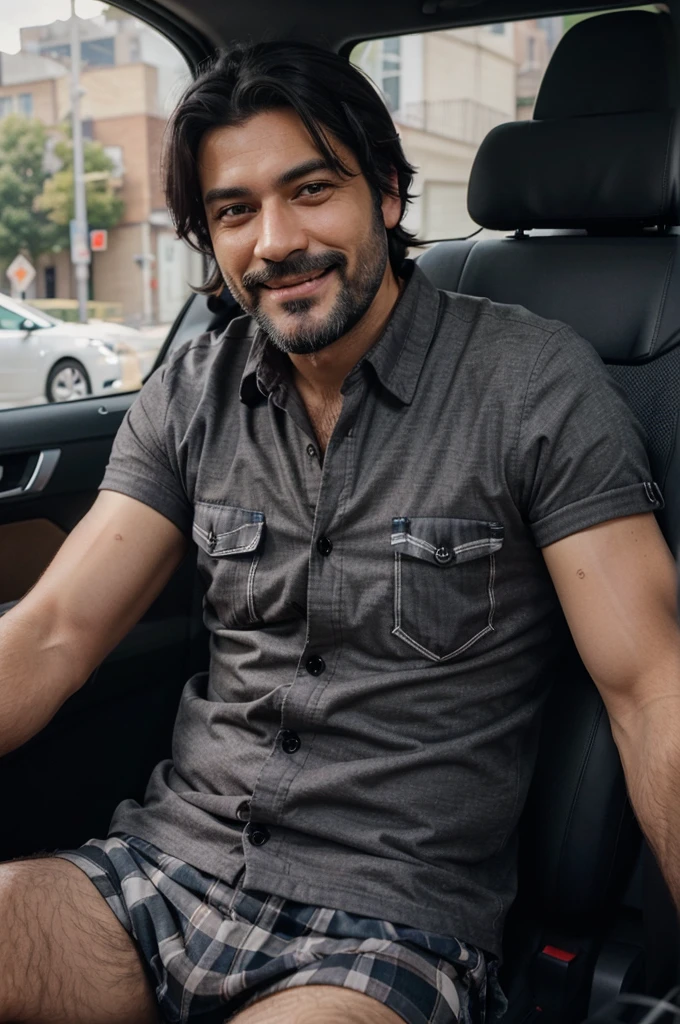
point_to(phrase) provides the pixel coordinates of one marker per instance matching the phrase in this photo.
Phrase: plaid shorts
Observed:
(211, 949)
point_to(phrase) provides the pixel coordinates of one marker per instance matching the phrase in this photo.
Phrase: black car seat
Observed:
(595, 178)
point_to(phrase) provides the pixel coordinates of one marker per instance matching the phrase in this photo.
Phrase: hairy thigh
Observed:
(310, 1004)
(66, 959)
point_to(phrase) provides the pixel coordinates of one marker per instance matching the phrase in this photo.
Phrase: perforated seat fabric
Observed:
(617, 282)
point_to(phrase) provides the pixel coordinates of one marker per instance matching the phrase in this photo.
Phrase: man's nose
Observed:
(280, 233)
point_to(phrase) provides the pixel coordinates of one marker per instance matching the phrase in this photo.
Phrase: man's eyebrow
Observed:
(214, 195)
(308, 167)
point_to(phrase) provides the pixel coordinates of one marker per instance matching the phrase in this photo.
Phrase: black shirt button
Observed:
(258, 835)
(324, 545)
(315, 665)
(243, 810)
(311, 451)
(290, 741)
(443, 555)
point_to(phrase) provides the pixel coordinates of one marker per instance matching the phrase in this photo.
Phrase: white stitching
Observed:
(397, 590)
(488, 544)
(408, 538)
(444, 657)
(250, 592)
(218, 536)
(491, 589)
(243, 548)
(399, 632)
(470, 545)
(227, 508)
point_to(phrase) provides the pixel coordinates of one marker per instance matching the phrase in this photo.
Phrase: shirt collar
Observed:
(262, 372)
(397, 357)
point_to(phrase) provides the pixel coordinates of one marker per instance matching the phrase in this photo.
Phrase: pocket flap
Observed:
(225, 530)
(444, 541)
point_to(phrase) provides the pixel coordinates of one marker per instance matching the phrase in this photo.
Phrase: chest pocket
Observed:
(229, 543)
(444, 577)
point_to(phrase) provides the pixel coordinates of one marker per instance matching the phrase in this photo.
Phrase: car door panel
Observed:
(61, 787)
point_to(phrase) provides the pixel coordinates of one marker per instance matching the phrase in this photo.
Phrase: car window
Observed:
(138, 275)
(10, 321)
(446, 90)
(39, 316)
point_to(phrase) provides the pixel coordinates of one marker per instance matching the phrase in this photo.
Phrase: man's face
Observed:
(302, 249)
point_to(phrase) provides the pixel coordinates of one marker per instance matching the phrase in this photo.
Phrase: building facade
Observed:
(130, 80)
(446, 90)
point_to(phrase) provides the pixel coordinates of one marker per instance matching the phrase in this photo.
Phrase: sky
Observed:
(15, 15)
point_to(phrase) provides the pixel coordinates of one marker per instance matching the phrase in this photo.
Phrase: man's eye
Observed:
(233, 211)
(315, 188)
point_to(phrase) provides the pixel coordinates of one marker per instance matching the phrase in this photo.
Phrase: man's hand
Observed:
(618, 588)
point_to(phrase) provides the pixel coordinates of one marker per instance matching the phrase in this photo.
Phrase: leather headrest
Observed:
(603, 149)
(621, 63)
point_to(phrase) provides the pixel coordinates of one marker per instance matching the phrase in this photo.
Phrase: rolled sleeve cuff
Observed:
(153, 494)
(631, 500)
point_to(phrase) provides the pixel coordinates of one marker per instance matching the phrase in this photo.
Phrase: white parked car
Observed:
(42, 358)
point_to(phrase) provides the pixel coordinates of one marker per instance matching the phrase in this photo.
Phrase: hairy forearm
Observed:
(38, 671)
(649, 744)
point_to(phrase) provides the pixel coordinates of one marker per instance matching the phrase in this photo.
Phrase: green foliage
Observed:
(104, 208)
(35, 208)
(22, 228)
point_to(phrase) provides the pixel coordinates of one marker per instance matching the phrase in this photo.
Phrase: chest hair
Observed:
(323, 416)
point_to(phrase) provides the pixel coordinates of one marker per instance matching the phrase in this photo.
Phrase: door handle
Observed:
(39, 478)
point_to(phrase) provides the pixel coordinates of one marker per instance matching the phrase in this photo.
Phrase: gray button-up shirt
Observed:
(381, 620)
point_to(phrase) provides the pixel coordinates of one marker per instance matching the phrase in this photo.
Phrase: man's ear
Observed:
(391, 204)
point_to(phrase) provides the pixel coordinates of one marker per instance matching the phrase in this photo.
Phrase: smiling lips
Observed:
(300, 286)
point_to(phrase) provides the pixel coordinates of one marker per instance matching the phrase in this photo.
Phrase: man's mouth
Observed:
(298, 286)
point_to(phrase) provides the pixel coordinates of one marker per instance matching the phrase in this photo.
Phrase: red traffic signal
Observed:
(99, 240)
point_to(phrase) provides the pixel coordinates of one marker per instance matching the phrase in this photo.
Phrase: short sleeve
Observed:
(142, 464)
(581, 451)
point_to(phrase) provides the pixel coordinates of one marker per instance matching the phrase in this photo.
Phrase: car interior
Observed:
(585, 203)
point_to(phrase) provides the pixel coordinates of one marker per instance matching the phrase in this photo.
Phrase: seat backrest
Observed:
(597, 175)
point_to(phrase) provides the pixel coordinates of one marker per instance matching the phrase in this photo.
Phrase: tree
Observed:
(22, 176)
(104, 208)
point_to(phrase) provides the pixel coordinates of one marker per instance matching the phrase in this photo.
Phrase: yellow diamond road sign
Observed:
(21, 273)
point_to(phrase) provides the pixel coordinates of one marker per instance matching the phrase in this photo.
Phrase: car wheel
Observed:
(67, 381)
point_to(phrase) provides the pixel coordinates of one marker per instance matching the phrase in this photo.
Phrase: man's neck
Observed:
(321, 374)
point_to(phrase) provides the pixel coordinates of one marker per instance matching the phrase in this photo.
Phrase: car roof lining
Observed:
(197, 27)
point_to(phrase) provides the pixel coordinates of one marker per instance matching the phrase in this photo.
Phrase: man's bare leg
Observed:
(313, 1004)
(64, 956)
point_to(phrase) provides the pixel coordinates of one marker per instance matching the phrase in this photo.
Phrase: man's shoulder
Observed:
(196, 357)
(509, 346)
(488, 319)
(213, 358)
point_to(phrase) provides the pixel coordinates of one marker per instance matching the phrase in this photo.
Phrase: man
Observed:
(381, 480)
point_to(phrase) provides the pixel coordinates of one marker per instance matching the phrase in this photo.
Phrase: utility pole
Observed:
(80, 251)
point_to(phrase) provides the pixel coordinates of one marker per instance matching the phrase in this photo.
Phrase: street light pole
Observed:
(80, 258)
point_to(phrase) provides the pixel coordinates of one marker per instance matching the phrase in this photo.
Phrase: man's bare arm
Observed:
(617, 585)
(100, 583)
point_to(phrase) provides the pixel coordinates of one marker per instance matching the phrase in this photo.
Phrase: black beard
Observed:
(354, 299)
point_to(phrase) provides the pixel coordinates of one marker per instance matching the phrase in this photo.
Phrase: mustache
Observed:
(305, 263)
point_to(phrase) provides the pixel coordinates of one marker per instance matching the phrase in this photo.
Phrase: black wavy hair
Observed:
(332, 98)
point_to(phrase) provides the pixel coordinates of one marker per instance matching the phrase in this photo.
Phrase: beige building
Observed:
(125, 102)
(446, 90)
